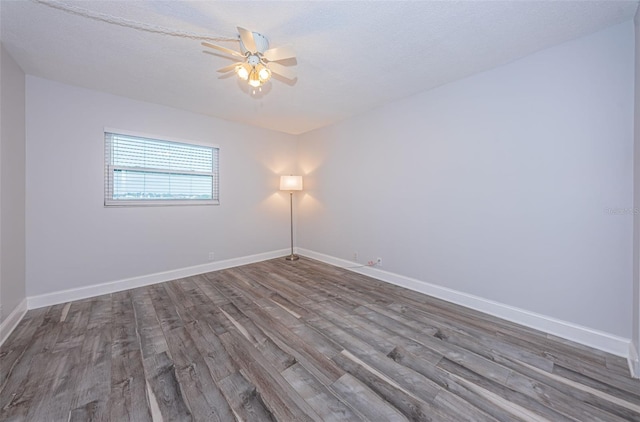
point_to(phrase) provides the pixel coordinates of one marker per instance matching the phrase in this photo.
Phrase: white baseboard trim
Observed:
(11, 321)
(634, 361)
(597, 339)
(587, 336)
(64, 296)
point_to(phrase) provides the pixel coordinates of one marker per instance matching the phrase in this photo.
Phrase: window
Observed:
(145, 171)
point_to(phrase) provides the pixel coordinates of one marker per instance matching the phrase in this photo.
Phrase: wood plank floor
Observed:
(297, 341)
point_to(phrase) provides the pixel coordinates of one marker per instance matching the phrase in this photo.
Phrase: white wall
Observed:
(495, 186)
(12, 186)
(636, 205)
(74, 241)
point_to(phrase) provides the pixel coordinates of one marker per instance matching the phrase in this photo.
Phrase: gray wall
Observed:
(12, 185)
(73, 241)
(636, 202)
(509, 185)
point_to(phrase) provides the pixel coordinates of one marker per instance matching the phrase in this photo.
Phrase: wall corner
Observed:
(634, 361)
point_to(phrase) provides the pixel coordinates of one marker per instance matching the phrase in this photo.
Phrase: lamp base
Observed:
(292, 257)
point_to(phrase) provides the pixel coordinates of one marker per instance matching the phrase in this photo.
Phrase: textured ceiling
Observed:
(351, 56)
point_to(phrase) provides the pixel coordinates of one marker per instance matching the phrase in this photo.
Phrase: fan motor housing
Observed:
(253, 60)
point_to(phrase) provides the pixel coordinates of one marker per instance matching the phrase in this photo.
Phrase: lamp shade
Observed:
(290, 182)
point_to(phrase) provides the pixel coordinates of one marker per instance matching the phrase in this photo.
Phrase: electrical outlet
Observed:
(355, 256)
(379, 262)
(212, 256)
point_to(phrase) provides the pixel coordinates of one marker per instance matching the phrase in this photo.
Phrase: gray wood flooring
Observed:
(297, 341)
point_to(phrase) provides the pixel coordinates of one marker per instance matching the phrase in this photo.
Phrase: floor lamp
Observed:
(291, 183)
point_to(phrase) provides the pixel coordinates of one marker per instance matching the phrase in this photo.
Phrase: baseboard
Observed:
(634, 361)
(593, 338)
(589, 337)
(64, 296)
(11, 322)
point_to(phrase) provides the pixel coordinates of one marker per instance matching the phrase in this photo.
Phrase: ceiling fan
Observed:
(258, 60)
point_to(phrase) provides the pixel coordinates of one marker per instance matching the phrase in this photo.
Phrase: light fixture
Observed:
(264, 74)
(257, 74)
(254, 79)
(243, 71)
(291, 183)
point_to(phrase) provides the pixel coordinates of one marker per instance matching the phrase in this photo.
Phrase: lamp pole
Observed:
(291, 257)
(291, 183)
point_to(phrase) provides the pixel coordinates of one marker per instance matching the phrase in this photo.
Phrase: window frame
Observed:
(109, 168)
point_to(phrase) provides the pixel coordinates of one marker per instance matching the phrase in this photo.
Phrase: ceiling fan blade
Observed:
(281, 70)
(229, 68)
(223, 49)
(279, 53)
(247, 39)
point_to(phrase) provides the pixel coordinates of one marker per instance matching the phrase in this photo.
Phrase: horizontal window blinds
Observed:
(144, 171)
